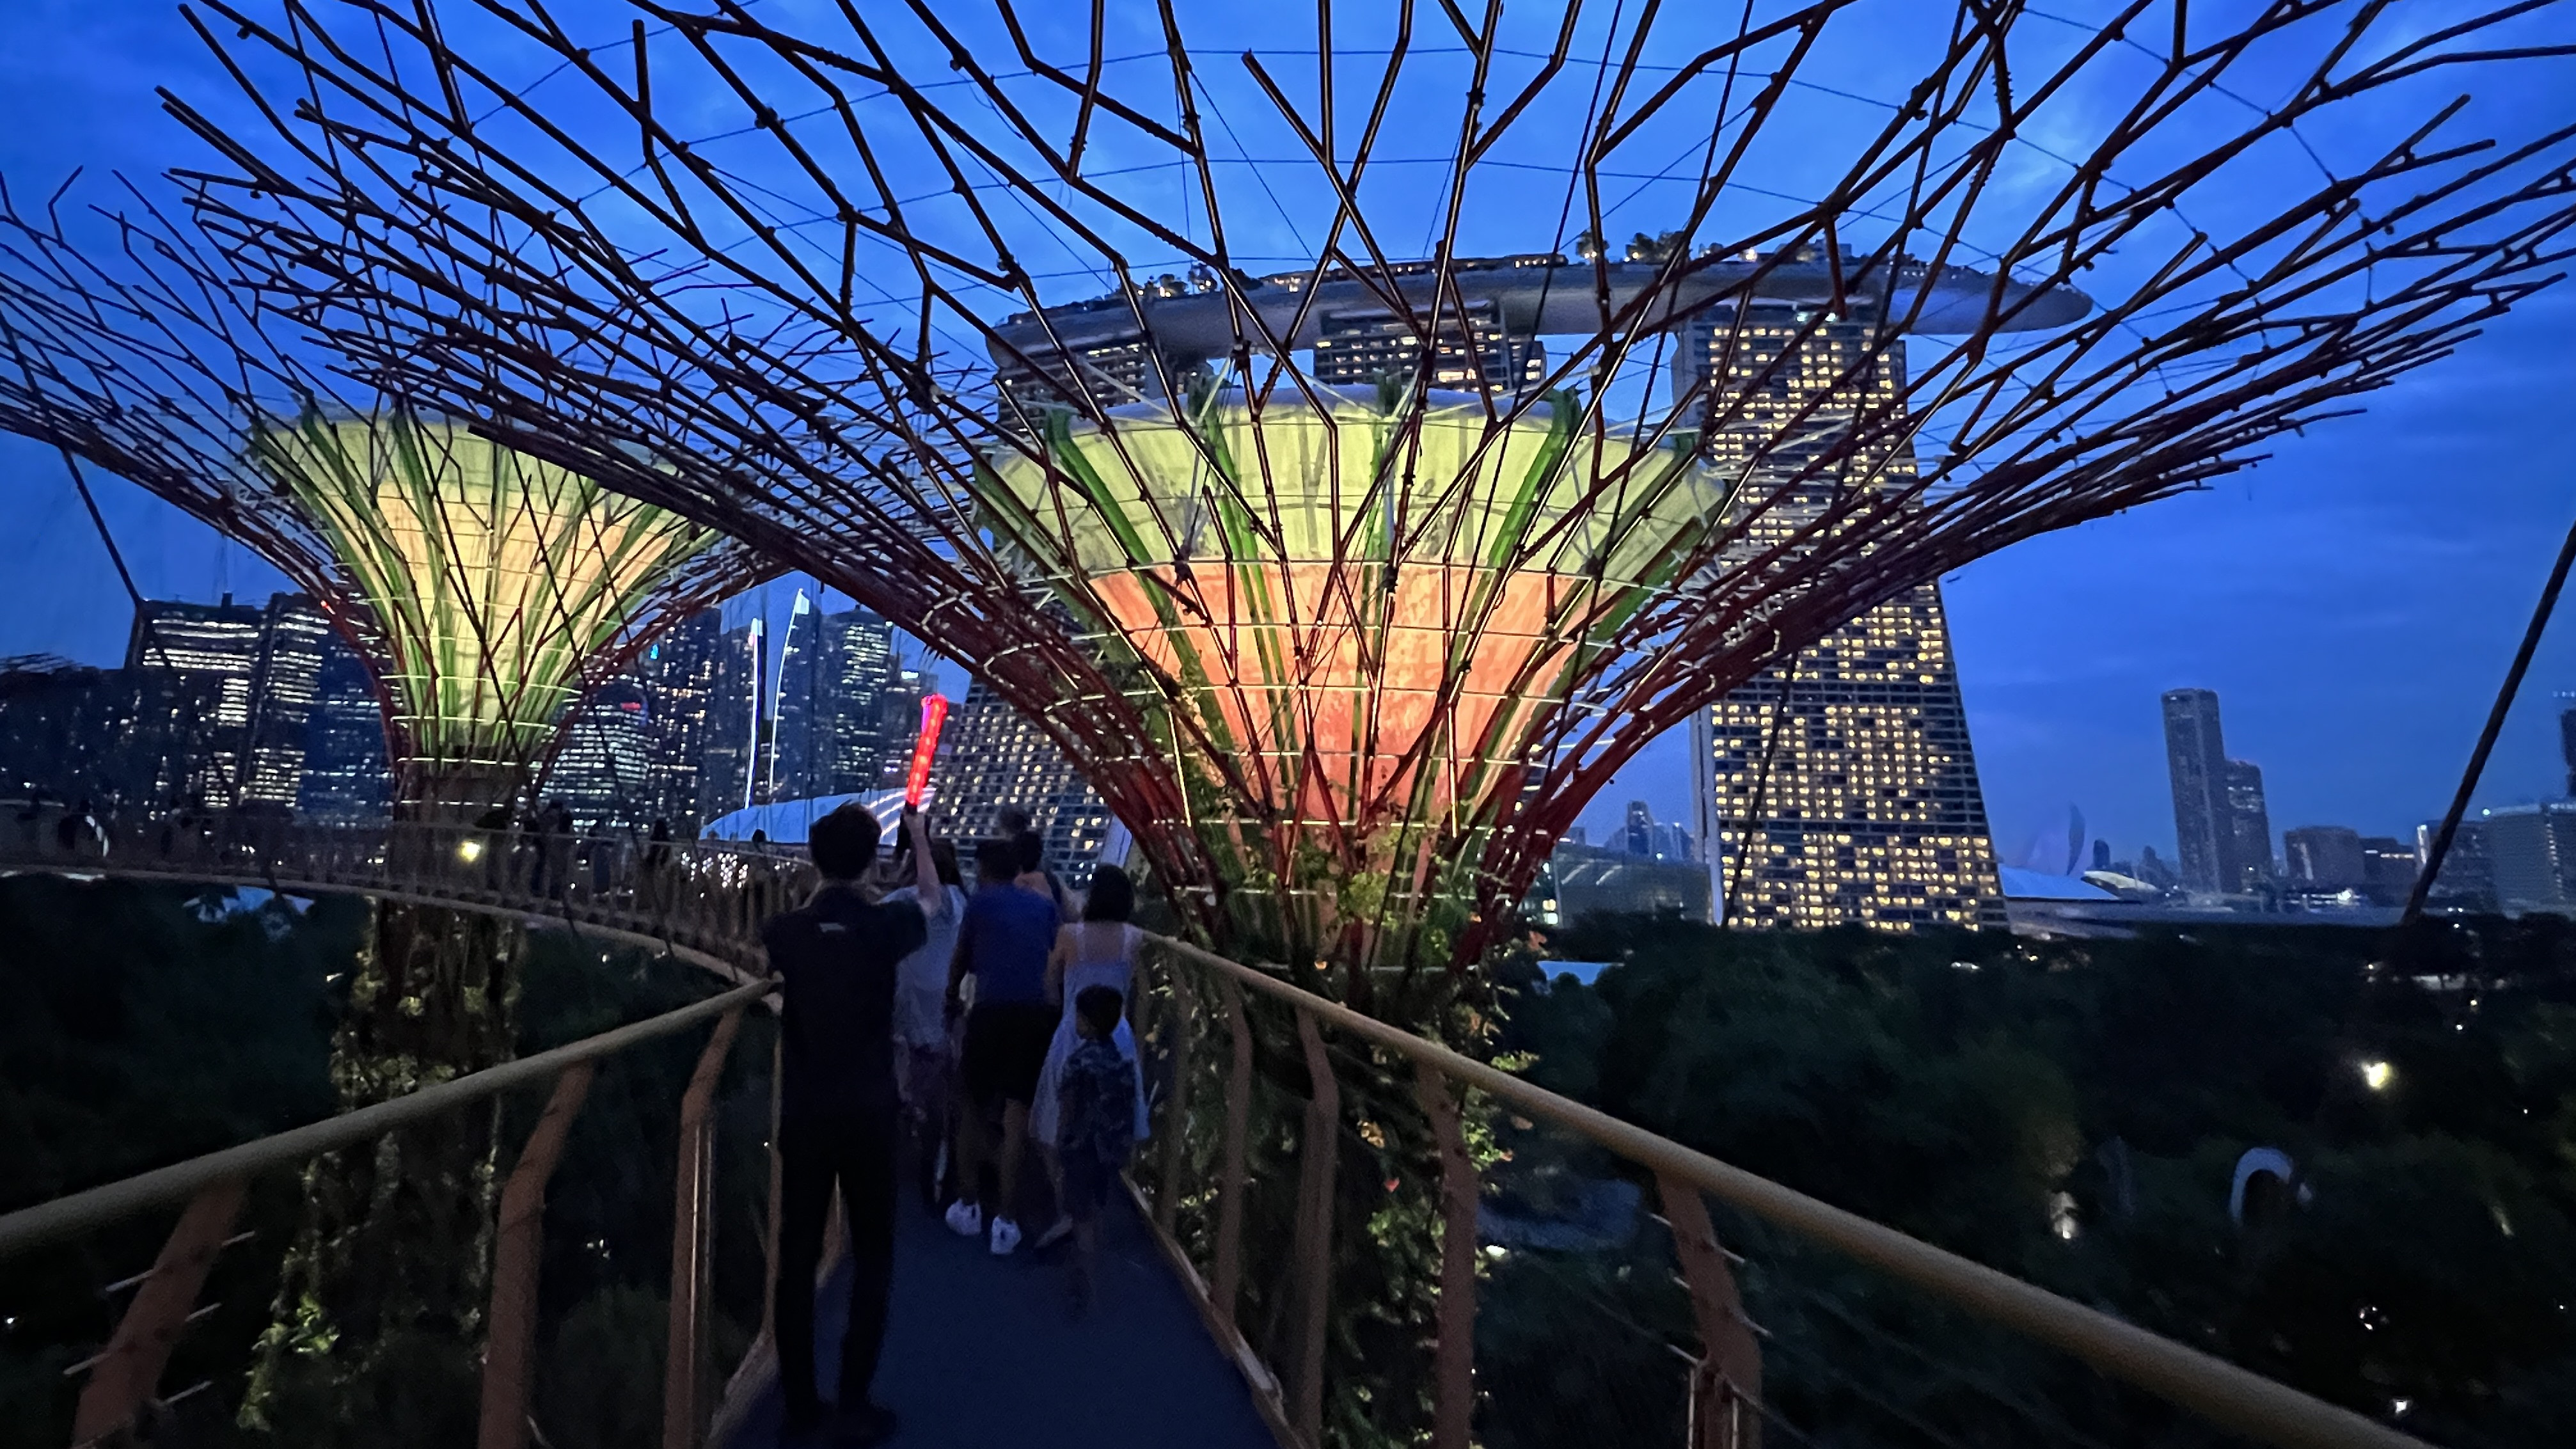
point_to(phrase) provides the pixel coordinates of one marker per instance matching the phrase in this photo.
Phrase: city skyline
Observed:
(2356, 620)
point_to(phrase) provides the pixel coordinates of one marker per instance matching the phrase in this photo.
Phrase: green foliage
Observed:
(1954, 1086)
(133, 1034)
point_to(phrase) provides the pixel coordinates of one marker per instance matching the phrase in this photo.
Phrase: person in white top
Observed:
(1100, 950)
(925, 1057)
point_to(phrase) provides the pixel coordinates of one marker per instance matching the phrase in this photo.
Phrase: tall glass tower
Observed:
(1838, 788)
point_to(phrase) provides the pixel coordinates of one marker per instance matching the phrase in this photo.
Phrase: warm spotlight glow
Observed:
(469, 851)
(2377, 1075)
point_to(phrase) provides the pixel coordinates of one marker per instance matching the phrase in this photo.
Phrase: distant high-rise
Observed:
(991, 758)
(1639, 832)
(128, 740)
(834, 673)
(2196, 761)
(2468, 869)
(2388, 868)
(604, 768)
(2531, 853)
(263, 662)
(681, 675)
(1840, 787)
(2324, 857)
(2249, 830)
(346, 776)
(2567, 738)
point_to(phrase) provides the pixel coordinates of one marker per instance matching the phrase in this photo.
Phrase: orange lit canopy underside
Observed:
(1356, 624)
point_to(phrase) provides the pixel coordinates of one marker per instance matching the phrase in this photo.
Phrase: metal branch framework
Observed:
(1348, 650)
(489, 592)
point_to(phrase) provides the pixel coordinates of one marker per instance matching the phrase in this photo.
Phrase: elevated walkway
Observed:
(1313, 1184)
(983, 1351)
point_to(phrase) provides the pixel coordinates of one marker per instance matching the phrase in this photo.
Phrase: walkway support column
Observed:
(1726, 1388)
(129, 1369)
(692, 1231)
(1238, 1126)
(1318, 1176)
(1167, 1201)
(1453, 1354)
(510, 1348)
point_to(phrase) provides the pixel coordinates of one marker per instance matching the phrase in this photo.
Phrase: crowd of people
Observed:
(961, 1031)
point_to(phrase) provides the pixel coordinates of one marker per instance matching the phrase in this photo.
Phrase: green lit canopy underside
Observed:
(495, 578)
(1366, 610)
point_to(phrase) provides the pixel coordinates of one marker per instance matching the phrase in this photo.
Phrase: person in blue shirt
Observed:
(836, 959)
(1002, 945)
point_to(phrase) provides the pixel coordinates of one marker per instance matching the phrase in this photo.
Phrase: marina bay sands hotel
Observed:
(1854, 799)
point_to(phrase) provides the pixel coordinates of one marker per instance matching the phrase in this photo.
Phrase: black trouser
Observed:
(814, 1152)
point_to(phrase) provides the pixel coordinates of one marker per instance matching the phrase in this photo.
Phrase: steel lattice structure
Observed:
(487, 591)
(1350, 653)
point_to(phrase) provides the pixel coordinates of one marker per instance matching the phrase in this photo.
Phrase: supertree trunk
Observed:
(376, 1332)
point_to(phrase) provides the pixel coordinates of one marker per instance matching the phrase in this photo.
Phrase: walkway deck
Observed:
(983, 1351)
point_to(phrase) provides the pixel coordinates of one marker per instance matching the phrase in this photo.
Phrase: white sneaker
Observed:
(966, 1220)
(1006, 1237)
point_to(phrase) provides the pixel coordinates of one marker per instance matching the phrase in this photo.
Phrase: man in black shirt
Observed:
(837, 1116)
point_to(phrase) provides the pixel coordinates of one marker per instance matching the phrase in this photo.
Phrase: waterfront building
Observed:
(2531, 856)
(2467, 878)
(2196, 765)
(2323, 857)
(2248, 862)
(1585, 880)
(1839, 787)
(2388, 868)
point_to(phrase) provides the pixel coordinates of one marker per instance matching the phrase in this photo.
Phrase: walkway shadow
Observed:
(984, 1352)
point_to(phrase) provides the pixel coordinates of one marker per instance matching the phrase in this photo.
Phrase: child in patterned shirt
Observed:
(1097, 1126)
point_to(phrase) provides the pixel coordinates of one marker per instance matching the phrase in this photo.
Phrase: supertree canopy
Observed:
(487, 591)
(1348, 583)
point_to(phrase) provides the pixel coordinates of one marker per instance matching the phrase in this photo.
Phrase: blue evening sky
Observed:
(2354, 600)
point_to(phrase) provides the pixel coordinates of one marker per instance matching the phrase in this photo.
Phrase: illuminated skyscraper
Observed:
(604, 768)
(346, 776)
(2220, 818)
(264, 663)
(1841, 787)
(834, 675)
(990, 759)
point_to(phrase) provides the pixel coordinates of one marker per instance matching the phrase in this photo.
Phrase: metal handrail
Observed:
(75, 1213)
(2232, 1397)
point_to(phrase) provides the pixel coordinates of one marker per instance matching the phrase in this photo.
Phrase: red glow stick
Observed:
(916, 781)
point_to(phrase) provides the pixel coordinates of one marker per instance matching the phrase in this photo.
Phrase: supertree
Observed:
(1348, 584)
(487, 592)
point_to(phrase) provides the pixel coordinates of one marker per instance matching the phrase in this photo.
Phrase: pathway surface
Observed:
(983, 1352)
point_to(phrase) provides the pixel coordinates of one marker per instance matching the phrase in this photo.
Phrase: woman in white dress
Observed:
(1100, 950)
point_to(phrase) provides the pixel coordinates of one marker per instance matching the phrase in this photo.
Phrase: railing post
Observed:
(692, 1227)
(1228, 1270)
(510, 1341)
(1176, 1122)
(777, 1185)
(129, 1369)
(1726, 1389)
(1453, 1349)
(1318, 1174)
